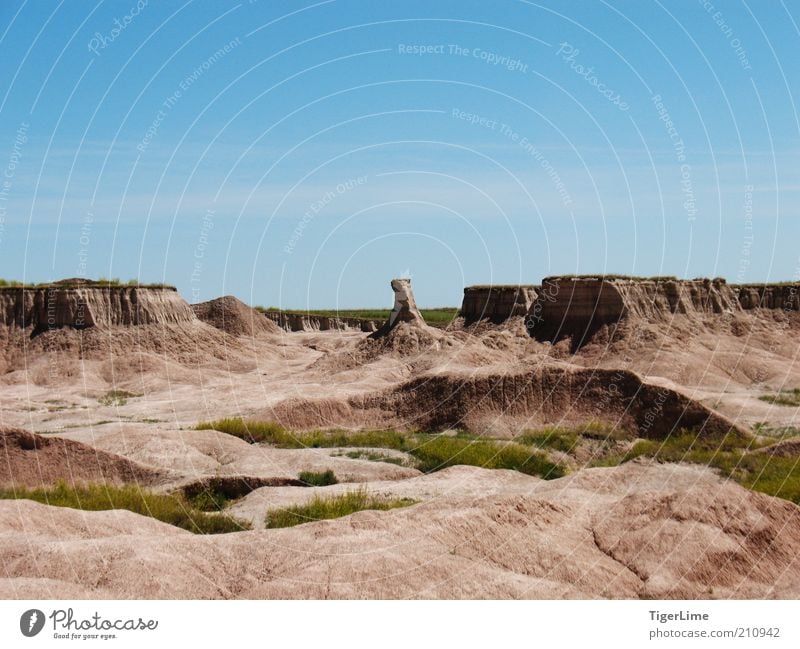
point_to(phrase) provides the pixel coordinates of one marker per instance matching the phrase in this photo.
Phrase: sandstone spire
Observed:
(405, 307)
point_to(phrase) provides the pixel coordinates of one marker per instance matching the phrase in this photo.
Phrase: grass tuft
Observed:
(167, 508)
(318, 478)
(322, 508)
(116, 397)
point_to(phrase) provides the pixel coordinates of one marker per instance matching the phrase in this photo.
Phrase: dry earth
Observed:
(638, 530)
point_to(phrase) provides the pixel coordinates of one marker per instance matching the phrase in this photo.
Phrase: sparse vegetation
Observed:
(431, 452)
(275, 434)
(783, 398)
(171, 509)
(730, 454)
(437, 317)
(82, 283)
(613, 276)
(211, 495)
(778, 432)
(566, 438)
(334, 506)
(116, 397)
(318, 478)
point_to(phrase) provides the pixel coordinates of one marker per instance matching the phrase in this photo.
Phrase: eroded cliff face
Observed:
(578, 307)
(95, 306)
(762, 296)
(308, 322)
(496, 303)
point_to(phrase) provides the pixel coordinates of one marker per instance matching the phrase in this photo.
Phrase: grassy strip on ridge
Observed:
(322, 508)
(783, 398)
(431, 452)
(166, 508)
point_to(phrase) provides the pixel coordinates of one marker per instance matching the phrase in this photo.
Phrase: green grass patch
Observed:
(322, 508)
(167, 508)
(210, 500)
(318, 478)
(430, 452)
(116, 397)
(440, 452)
(272, 433)
(783, 398)
(778, 432)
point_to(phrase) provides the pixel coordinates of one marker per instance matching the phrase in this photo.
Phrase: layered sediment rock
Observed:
(496, 303)
(765, 296)
(578, 306)
(80, 307)
(289, 321)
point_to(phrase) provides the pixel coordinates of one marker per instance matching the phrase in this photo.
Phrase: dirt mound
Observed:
(234, 317)
(542, 395)
(635, 531)
(407, 341)
(31, 460)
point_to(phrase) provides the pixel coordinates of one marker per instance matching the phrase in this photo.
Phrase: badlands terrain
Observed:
(586, 437)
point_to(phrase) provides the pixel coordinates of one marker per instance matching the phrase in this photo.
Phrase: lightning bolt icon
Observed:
(32, 621)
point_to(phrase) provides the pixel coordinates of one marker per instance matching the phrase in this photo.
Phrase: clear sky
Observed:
(303, 153)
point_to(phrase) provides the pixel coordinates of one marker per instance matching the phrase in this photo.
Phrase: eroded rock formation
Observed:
(577, 307)
(80, 307)
(765, 296)
(405, 307)
(289, 321)
(496, 304)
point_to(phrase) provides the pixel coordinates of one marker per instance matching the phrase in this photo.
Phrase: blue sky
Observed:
(301, 154)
